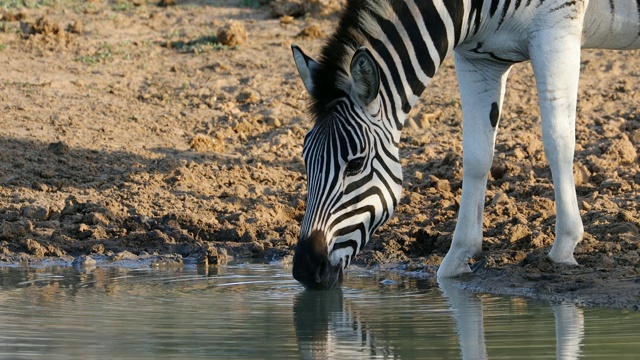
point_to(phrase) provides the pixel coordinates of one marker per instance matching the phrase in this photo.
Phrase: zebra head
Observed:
(354, 177)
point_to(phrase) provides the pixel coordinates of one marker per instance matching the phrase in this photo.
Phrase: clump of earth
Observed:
(131, 132)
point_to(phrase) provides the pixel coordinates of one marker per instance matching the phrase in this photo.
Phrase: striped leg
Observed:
(482, 85)
(555, 57)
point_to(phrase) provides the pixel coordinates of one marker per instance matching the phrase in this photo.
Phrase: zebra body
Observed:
(372, 71)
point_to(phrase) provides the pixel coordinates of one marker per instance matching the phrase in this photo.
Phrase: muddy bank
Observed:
(133, 129)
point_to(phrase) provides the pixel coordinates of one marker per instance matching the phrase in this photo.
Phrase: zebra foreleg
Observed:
(555, 57)
(482, 85)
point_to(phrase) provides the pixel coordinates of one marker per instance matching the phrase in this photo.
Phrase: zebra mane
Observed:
(333, 80)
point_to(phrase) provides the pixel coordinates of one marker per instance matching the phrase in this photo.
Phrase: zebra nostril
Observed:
(311, 265)
(322, 272)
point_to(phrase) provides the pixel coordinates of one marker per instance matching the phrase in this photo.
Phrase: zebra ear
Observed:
(306, 67)
(365, 76)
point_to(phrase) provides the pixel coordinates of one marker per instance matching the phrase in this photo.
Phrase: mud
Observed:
(130, 131)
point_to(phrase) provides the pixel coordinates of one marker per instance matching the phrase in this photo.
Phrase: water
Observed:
(257, 311)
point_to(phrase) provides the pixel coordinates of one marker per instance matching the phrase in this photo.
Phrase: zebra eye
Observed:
(355, 165)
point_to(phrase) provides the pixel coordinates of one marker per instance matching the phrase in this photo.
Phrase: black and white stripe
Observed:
(380, 60)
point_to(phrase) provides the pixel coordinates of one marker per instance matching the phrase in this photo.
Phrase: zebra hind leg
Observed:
(556, 65)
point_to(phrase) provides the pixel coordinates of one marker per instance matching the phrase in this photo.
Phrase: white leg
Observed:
(482, 85)
(569, 330)
(555, 58)
(468, 314)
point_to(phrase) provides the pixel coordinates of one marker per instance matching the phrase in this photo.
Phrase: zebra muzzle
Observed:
(311, 266)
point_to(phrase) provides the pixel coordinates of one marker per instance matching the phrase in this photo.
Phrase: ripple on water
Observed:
(258, 311)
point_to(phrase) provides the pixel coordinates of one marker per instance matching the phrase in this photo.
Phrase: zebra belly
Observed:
(612, 24)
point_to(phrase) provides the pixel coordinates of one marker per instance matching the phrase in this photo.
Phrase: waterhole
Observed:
(257, 311)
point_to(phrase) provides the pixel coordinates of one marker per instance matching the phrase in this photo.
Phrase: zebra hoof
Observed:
(562, 255)
(564, 260)
(452, 267)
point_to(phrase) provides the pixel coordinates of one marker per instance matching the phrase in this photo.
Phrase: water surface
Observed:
(257, 311)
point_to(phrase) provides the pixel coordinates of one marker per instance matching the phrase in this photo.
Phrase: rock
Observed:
(635, 137)
(613, 184)
(311, 32)
(581, 174)
(232, 34)
(204, 143)
(12, 230)
(167, 261)
(442, 185)
(42, 26)
(241, 191)
(248, 97)
(124, 255)
(35, 212)
(34, 248)
(76, 27)
(584, 205)
(622, 151)
(519, 255)
(498, 171)
(293, 8)
(286, 19)
(84, 261)
(519, 232)
(217, 256)
(500, 198)
(273, 121)
(95, 218)
(203, 260)
(36, 185)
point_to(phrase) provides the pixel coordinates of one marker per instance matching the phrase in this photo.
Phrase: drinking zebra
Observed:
(374, 68)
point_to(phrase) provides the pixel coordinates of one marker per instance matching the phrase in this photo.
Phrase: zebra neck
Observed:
(411, 38)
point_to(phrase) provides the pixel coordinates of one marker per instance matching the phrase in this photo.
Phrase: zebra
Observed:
(371, 72)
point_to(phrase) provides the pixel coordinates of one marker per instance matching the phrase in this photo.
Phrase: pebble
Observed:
(59, 148)
(84, 261)
(500, 198)
(232, 34)
(124, 255)
(388, 282)
(35, 212)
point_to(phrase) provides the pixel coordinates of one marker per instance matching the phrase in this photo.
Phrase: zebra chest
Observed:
(505, 49)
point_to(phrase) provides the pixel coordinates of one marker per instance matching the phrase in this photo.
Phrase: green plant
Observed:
(122, 5)
(172, 34)
(99, 56)
(29, 4)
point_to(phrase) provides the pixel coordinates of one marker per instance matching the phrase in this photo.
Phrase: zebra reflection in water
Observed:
(329, 326)
(468, 313)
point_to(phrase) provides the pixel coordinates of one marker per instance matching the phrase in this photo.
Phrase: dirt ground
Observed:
(130, 130)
